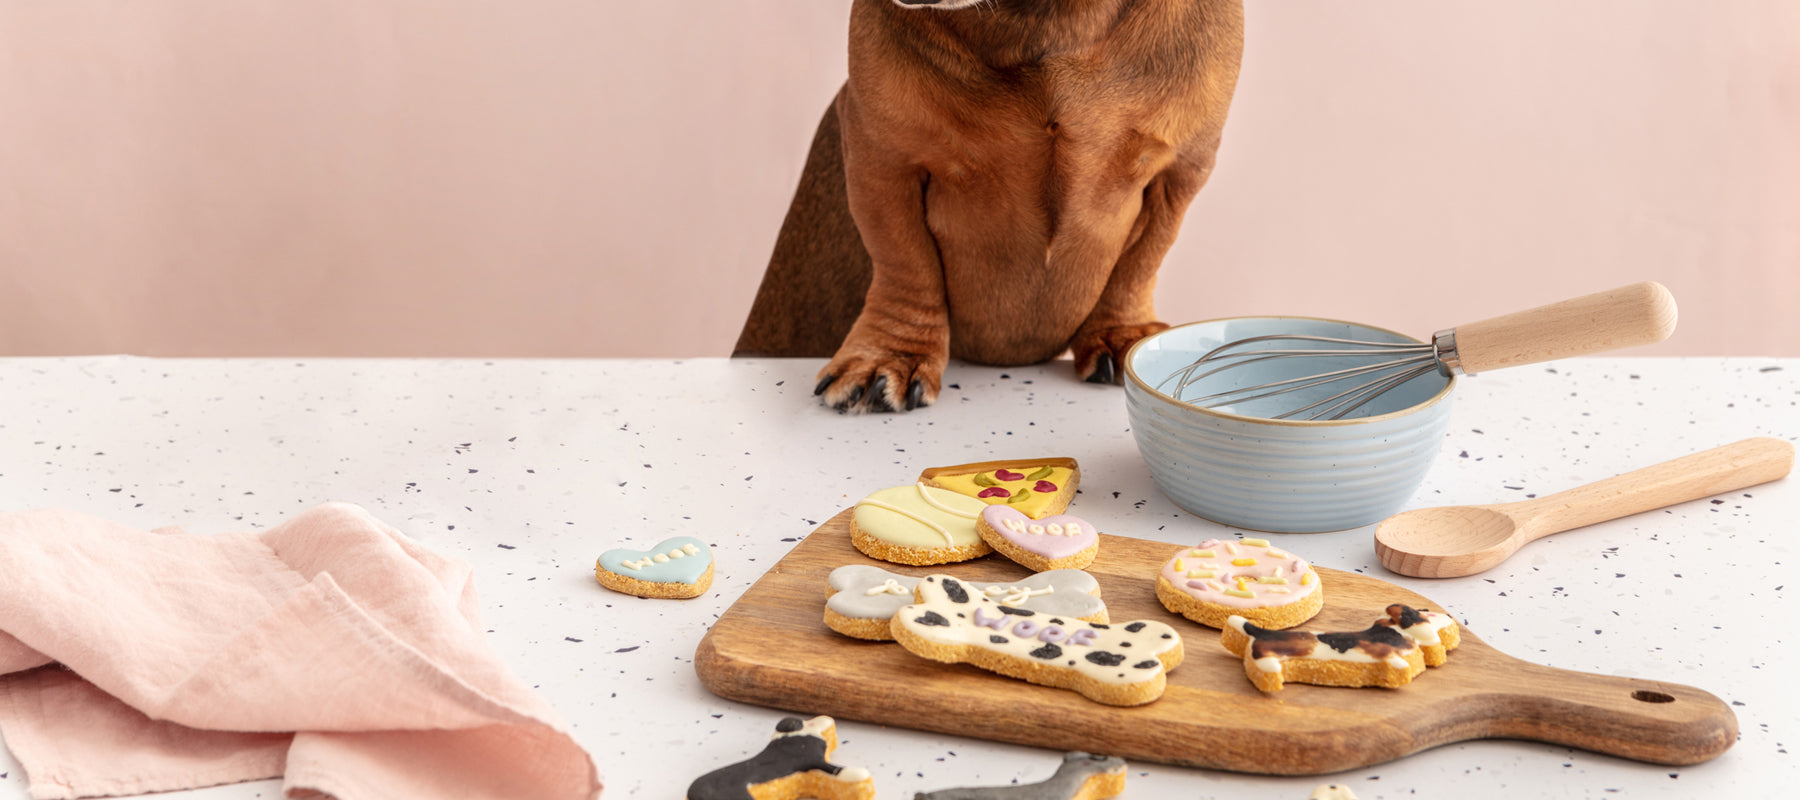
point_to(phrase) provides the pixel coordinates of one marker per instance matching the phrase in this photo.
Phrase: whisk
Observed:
(1642, 313)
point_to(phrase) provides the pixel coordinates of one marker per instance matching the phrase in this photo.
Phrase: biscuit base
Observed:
(1213, 615)
(914, 556)
(1100, 787)
(1028, 559)
(813, 783)
(1449, 637)
(1323, 672)
(1112, 694)
(654, 589)
(874, 630)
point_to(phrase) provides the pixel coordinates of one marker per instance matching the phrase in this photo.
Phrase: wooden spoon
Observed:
(1453, 541)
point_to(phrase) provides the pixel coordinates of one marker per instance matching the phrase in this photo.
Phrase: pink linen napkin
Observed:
(330, 649)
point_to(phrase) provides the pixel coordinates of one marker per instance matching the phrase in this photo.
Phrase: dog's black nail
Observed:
(915, 394)
(878, 400)
(824, 383)
(856, 396)
(1103, 369)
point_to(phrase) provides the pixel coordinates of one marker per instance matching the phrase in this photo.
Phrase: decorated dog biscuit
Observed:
(1388, 654)
(796, 763)
(1247, 577)
(1121, 665)
(1036, 487)
(1080, 777)
(917, 525)
(677, 568)
(1435, 634)
(865, 598)
(1059, 541)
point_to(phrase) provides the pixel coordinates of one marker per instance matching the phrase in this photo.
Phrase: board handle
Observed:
(1643, 720)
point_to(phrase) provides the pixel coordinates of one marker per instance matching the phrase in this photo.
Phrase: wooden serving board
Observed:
(772, 648)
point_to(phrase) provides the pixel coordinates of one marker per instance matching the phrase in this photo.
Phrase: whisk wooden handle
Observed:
(1642, 313)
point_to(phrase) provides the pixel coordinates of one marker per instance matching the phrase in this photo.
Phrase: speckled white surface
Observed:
(528, 469)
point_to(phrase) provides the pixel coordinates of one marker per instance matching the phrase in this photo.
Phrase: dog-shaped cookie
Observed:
(997, 181)
(795, 764)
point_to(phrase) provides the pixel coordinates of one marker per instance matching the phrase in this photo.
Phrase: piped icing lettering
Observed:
(1241, 574)
(1053, 537)
(865, 592)
(682, 559)
(919, 516)
(980, 630)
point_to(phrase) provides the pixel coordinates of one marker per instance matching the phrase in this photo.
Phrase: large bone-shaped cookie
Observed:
(864, 598)
(1121, 665)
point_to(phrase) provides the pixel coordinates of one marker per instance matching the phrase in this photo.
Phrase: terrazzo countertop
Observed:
(529, 469)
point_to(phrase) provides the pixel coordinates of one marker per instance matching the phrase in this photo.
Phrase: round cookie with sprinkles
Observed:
(918, 525)
(678, 568)
(1246, 577)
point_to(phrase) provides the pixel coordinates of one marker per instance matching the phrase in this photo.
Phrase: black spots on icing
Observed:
(1017, 612)
(1147, 664)
(1168, 636)
(1135, 627)
(932, 618)
(998, 639)
(789, 725)
(1047, 652)
(956, 592)
(1057, 621)
(1101, 625)
(1106, 659)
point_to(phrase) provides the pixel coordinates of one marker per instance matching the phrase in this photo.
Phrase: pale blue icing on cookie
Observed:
(683, 559)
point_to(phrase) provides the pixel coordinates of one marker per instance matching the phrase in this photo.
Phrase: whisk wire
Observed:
(1416, 360)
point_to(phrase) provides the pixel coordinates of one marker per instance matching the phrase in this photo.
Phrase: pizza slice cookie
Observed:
(1037, 487)
(677, 568)
(1116, 664)
(864, 598)
(918, 525)
(1246, 577)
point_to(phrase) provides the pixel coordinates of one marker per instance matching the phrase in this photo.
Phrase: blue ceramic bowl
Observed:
(1236, 465)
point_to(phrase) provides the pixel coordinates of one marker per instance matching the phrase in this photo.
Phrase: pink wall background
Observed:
(562, 178)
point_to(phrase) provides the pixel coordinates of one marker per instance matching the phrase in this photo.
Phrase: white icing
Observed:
(976, 623)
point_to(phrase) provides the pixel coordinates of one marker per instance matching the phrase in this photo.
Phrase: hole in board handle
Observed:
(1646, 696)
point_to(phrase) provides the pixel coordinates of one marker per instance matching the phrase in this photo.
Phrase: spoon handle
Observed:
(1706, 473)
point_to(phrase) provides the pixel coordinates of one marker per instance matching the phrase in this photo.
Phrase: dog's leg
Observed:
(1126, 311)
(895, 353)
(819, 272)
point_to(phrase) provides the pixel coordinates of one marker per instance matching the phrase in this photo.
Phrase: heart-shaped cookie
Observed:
(1059, 541)
(681, 567)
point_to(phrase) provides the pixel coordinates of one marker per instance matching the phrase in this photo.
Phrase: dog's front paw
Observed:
(1100, 352)
(871, 378)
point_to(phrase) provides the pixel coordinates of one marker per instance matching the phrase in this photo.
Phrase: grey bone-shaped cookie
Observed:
(1074, 773)
(1073, 593)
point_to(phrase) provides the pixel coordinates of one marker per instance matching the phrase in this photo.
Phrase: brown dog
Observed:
(997, 181)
